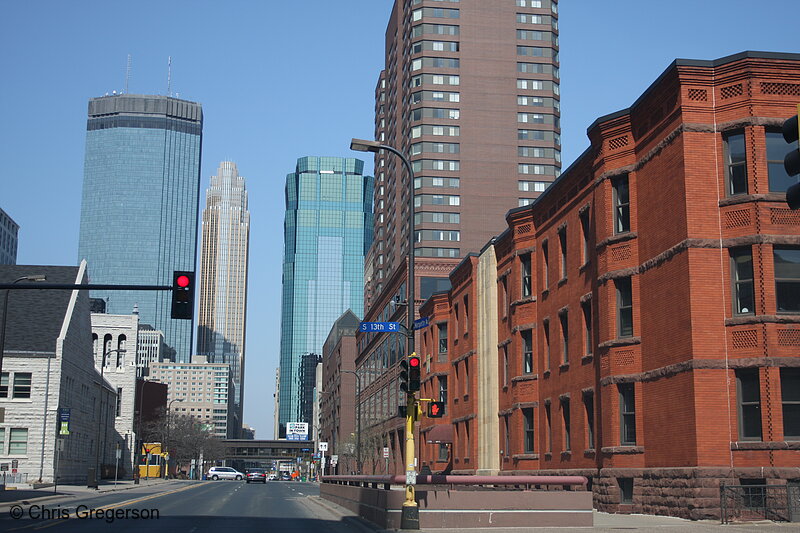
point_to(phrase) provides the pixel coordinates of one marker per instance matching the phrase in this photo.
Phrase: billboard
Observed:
(296, 431)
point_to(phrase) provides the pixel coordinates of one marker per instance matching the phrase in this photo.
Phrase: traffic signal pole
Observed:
(410, 511)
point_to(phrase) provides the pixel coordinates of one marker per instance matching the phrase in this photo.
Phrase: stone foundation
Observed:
(691, 493)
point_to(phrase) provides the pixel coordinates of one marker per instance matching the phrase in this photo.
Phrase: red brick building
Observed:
(639, 323)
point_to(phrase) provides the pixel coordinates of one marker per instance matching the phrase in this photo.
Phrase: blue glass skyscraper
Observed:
(139, 210)
(327, 232)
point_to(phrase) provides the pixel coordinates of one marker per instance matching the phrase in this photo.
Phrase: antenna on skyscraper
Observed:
(169, 76)
(127, 74)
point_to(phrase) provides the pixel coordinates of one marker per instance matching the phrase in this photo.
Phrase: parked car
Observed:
(224, 472)
(272, 477)
(256, 475)
(285, 476)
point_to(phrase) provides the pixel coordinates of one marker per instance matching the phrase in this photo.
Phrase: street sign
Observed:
(422, 323)
(386, 452)
(411, 477)
(379, 327)
(334, 460)
(323, 446)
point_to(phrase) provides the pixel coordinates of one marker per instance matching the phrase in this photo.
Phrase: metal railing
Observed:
(743, 503)
(8, 477)
(526, 482)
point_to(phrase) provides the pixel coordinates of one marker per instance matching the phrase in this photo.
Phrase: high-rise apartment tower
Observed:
(141, 183)
(327, 230)
(470, 92)
(223, 280)
(9, 231)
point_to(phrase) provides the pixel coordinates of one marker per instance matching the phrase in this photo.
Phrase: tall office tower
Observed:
(327, 231)
(470, 93)
(141, 183)
(223, 279)
(9, 231)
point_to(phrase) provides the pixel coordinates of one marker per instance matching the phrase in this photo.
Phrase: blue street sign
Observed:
(421, 323)
(63, 414)
(379, 327)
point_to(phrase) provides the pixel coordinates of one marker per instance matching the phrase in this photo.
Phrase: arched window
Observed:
(121, 341)
(95, 342)
(106, 346)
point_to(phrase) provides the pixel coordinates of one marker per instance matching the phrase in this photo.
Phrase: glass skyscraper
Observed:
(223, 280)
(327, 231)
(139, 209)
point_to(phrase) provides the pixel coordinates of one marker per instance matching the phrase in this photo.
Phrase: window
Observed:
(588, 404)
(545, 265)
(504, 295)
(443, 389)
(22, 385)
(455, 321)
(549, 427)
(622, 208)
(735, 163)
(787, 279)
(586, 307)
(585, 255)
(754, 492)
(466, 377)
(624, 307)
(564, 319)
(562, 239)
(506, 437)
(466, 313)
(525, 267)
(527, 351)
(748, 393)
(546, 330)
(627, 415)
(4, 385)
(18, 443)
(528, 428)
(742, 274)
(625, 489)
(777, 149)
(119, 401)
(442, 452)
(790, 398)
(566, 421)
(443, 338)
(505, 365)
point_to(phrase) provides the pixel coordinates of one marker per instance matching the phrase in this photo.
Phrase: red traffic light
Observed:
(182, 281)
(413, 361)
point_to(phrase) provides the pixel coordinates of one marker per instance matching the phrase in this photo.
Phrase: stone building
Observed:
(47, 370)
(114, 339)
(638, 323)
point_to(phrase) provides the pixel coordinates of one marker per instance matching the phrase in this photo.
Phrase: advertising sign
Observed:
(297, 431)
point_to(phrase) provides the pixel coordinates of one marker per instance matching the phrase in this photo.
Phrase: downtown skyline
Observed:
(258, 123)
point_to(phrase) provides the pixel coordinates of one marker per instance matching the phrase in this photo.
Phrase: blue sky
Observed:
(281, 80)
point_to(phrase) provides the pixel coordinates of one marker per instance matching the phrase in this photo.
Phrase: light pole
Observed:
(166, 440)
(358, 417)
(34, 277)
(99, 416)
(409, 518)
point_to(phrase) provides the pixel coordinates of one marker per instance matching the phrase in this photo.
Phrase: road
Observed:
(190, 507)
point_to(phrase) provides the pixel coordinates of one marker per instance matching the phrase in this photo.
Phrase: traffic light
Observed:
(402, 411)
(791, 162)
(404, 375)
(183, 295)
(435, 409)
(414, 365)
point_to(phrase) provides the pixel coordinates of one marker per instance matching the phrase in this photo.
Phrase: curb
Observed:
(5, 506)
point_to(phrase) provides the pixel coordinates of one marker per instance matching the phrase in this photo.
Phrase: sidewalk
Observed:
(11, 496)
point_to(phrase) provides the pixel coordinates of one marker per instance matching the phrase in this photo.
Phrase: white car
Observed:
(224, 472)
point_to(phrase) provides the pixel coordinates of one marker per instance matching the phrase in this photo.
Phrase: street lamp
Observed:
(99, 414)
(358, 417)
(35, 277)
(409, 518)
(167, 437)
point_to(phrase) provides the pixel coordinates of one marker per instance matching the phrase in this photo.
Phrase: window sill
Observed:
(525, 456)
(588, 358)
(545, 294)
(765, 445)
(622, 450)
(466, 397)
(562, 282)
(584, 266)
(589, 453)
(620, 341)
(619, 237)
(524, 377)
(548, 456)
(566, 454)
(546, 374)
(563, 366)
(523, 300)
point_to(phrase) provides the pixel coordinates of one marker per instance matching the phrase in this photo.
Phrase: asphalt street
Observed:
(191, 507)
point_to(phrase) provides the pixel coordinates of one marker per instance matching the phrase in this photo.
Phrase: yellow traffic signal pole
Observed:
(409, 518)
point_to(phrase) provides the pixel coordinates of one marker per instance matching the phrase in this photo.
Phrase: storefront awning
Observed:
(440, 434)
